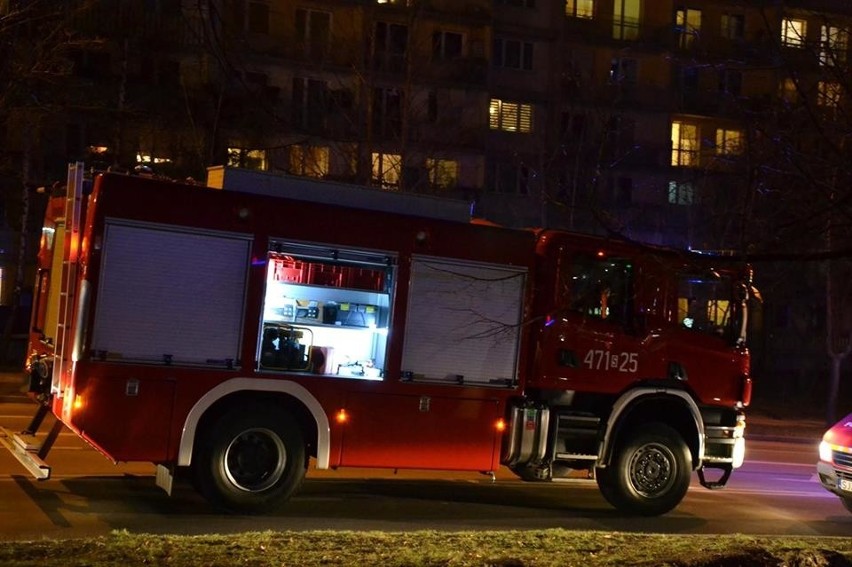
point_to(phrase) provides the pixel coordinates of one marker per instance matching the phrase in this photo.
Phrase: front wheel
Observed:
(252, 459)
(649, 473)
(847, 502)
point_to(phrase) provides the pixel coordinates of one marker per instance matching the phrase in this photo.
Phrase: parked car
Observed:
(835, 460)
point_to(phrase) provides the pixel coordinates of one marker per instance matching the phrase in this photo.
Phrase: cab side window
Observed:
(704, 302)
(601, 288)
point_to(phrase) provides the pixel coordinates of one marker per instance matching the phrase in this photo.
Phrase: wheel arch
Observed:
(675, 408)
(291, 395)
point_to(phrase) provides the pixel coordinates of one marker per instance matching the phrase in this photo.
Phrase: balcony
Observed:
(465, 70)
(130, 20)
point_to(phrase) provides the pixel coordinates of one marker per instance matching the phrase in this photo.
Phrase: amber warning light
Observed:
(341, 417)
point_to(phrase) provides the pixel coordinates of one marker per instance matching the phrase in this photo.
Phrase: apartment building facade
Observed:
(655, 119)
(595, 115)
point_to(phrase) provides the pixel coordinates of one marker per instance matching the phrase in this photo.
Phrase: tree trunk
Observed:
(833, 389)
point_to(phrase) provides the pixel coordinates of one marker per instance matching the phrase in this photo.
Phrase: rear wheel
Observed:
(650, 472)
(252, 459)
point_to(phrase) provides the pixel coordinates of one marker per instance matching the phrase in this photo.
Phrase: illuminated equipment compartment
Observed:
(326, 311)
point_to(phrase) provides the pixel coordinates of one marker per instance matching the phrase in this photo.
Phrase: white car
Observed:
(835, 460)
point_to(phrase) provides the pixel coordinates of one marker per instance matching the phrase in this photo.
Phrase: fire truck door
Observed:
(596, 355)
(424, 429)
(589, 346)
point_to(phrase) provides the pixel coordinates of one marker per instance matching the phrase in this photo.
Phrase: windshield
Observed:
(707, 304)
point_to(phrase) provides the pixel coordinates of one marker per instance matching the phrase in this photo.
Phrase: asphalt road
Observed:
(775, 492)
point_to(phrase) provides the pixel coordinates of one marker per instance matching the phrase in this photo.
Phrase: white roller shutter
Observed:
(463, 322)
(169, 294)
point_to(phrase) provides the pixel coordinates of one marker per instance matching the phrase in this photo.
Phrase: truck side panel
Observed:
(170, 296)
(427, 428)
(126, 418)
(463, 322)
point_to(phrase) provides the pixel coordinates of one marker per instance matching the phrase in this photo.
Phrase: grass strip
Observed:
(555, 547)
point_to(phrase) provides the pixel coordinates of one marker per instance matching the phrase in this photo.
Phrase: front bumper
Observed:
(724, 449)
(835, 480)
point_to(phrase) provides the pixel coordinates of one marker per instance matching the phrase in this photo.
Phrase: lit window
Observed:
(828, 94)
(832, 46)
(681, 193)
(789, 92)
(580, 8)
(701, 303)
(793, 32)
(510, 116)
(688, 23)
(247, 159)
(684, 144)
(146, 158)
(729, 142)
(387, 170)
(625, 21)
(443, 173)
(311, 161)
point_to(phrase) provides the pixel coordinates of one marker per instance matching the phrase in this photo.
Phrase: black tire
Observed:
(847, 502)
(252, 459)
(650, 472)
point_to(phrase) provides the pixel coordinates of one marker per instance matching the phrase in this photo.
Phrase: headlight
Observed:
(825, 452)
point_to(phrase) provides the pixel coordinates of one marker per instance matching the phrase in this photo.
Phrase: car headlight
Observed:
(825, 452)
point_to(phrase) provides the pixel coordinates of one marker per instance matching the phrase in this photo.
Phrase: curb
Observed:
(769, 438)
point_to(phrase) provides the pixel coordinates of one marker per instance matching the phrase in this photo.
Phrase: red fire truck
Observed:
(235, 331)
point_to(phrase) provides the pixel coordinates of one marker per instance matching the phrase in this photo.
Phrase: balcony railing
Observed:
(130, 20)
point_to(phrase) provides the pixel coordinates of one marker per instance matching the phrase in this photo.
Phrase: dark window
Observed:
(509, 178)
(387, 112)
(258, 17)
(446, 45)
(313, 31)
(390, 43)
(688, 79)
(517, 3)
(513, 54)
(432, 107)
(623, 71)
(733, 26)
(730, 81)
(309, 104)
